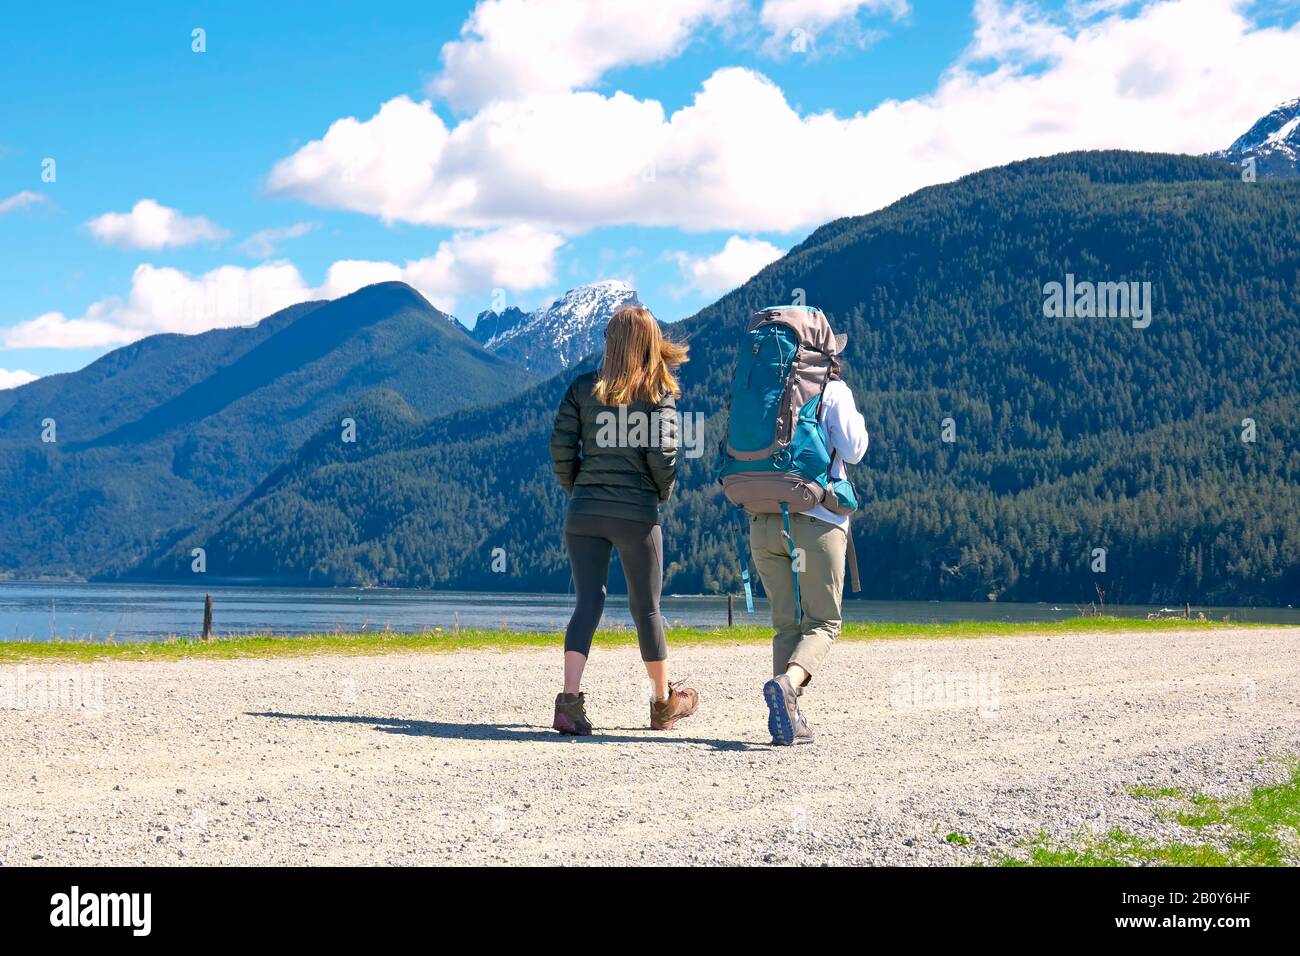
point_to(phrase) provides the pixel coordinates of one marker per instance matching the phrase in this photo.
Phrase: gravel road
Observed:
(447, 758)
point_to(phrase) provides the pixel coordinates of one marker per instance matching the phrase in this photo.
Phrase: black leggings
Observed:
(589, 539)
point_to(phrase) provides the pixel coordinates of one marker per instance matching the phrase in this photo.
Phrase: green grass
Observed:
(958, 839)
(1261, 829)
(438, 640)
(1154, 793)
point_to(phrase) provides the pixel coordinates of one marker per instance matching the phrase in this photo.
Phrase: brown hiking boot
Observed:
(680, 703)
(571, 715)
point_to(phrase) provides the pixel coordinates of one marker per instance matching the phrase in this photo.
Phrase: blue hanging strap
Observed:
(794, 564)
(744, 560)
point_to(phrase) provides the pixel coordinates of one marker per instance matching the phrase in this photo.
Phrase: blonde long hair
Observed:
(638, 360)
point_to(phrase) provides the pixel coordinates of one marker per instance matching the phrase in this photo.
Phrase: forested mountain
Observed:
(161, 435)
(1071, 434)
(118, 387)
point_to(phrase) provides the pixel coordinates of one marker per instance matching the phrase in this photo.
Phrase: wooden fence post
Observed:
(207, 618)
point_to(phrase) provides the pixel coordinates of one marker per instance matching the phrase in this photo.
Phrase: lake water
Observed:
(131, 612)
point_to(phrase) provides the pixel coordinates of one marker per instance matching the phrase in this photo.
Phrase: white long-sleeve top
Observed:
(846, 432)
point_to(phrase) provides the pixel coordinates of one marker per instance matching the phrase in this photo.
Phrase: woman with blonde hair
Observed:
(614, 449)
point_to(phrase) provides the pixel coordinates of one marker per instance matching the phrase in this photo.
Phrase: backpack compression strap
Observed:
(794, 565)
(744, 561)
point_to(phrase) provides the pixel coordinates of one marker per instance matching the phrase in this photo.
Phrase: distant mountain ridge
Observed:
(1273, 142)
(489, 326)
(107, 392)
(551, 339)
(164, 434)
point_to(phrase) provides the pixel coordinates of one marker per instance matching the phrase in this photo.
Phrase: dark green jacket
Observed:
(615, 462)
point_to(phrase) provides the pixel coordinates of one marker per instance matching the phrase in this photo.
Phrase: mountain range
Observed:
(1167, 450)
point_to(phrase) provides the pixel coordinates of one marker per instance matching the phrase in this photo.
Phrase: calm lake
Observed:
(40, 611)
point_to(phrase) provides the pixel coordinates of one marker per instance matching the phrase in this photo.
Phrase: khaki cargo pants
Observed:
(821, 587)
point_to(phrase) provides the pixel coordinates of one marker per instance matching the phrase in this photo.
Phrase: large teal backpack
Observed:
(776, 458)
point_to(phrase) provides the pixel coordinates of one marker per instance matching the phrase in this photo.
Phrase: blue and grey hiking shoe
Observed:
(782, 710)
(802, 732)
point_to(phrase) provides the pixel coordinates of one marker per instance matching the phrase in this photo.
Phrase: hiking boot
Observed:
(782, 710)
(571, 715)
(802, 732)
(680, 703)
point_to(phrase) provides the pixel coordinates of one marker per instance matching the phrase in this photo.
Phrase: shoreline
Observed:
(272, 645)
(276, 584)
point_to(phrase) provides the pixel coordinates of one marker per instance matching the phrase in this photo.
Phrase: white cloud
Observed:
(1015, 31)
(783, 17)
(510, 48)
(264, 243)
(1086, 9)
(54, 330)
(348, 275)
(517, 258)
(150, 225)
(373, 166)
(737, 261)
(19, 200)
(1178, 76)
(15, 378)
(169, 300)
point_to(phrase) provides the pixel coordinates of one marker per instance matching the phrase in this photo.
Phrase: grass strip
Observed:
(442, 641)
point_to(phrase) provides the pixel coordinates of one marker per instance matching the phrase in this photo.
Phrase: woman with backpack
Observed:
(792, 425)
(614, 451)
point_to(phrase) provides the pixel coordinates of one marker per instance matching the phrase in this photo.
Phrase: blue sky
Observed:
(517, 149)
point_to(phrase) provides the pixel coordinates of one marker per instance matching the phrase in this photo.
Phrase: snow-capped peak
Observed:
(1284, 132)
(1273, 142)
(569, 329)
